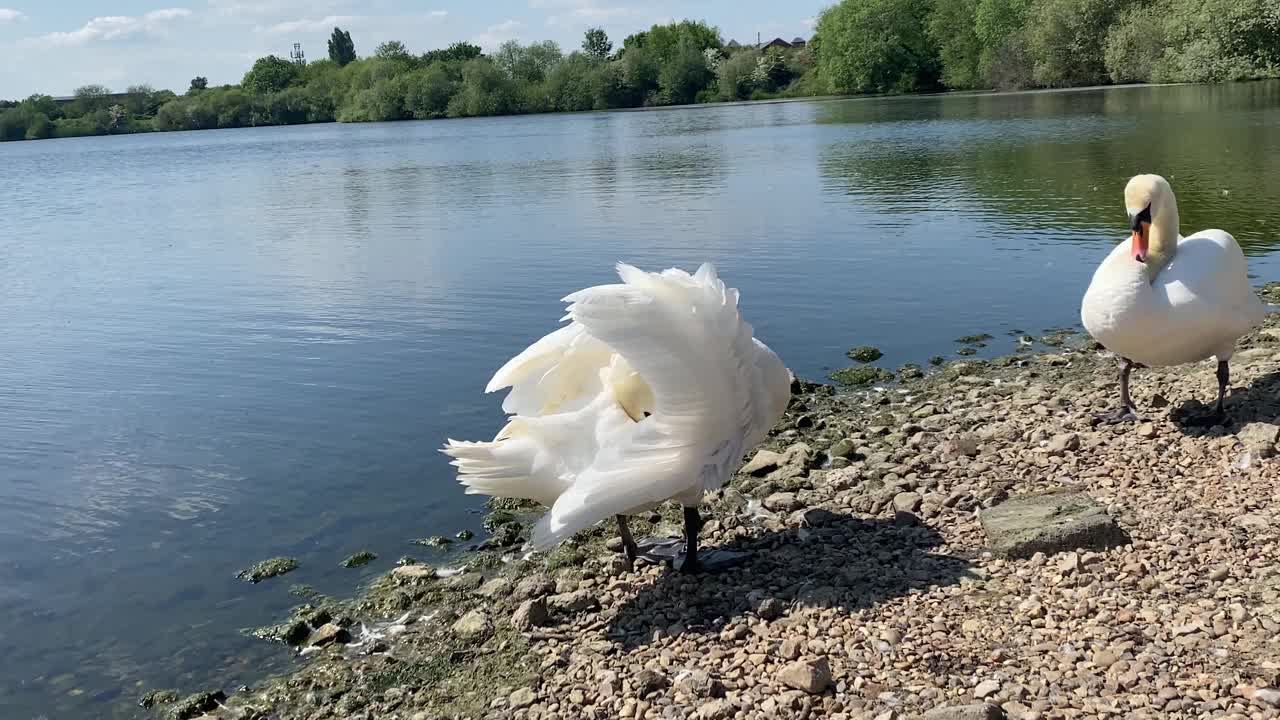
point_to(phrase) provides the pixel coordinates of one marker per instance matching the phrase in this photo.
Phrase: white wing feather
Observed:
(712, 389)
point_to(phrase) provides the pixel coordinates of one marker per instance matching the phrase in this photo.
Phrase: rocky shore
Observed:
(962, 545)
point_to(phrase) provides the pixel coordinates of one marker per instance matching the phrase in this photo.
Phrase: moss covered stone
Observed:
(156, 698)
(360, 559)
(910, 371)
(268, 569)
(978, 339)
(865, 354)
(858, 376)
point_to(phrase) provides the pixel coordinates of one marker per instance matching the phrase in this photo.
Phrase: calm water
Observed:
(222, 346)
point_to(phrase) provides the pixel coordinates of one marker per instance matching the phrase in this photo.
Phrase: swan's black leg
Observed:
(1218, 415)
(691, 560)
(1127, 412)
(629, 549)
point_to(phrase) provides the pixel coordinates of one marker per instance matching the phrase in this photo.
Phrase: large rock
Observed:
(329, 634)
(531, 614)
(765, 462)
(474, 625)
(981, 711)
(811, 676)
(1050, 522)
(783, 502)
(1259, 438)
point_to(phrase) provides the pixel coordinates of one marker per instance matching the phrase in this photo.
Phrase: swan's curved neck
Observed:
(1162, 242)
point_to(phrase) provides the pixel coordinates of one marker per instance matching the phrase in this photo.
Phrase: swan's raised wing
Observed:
(559, 372)
(684, 336)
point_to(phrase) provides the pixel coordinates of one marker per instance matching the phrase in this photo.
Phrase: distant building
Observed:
(778, 43)
(113, 97)
(732, 45)
(798, 42)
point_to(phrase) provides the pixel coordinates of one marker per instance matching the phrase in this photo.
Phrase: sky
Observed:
(55, 47)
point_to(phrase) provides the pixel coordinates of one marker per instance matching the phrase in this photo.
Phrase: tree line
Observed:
(860, 46)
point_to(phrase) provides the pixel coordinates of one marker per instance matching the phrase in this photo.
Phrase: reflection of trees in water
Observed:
(697, 170)
(1059, 161)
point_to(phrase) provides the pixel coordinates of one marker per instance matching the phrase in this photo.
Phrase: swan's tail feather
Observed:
(507, 467)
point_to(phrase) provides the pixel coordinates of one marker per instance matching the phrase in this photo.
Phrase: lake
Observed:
(228, 345)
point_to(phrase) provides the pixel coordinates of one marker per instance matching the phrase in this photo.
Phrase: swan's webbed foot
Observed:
(660, 551)
(709, 561)
(1123, 414)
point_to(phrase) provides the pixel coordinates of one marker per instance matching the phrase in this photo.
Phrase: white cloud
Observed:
(8, 15)
(438, 13)
(301, 26)
(495, 35)
(112, 27)
(578, 12)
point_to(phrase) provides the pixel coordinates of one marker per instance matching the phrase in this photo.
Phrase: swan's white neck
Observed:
(1162, 242)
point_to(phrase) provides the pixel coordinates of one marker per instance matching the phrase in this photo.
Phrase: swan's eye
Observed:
(1135, 221)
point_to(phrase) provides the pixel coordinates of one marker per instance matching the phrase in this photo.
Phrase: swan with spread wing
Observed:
(654, 391)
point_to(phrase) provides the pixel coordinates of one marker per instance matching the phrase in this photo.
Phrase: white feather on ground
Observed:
(671, 345)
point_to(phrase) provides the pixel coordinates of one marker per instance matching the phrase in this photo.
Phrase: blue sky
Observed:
(54, 47)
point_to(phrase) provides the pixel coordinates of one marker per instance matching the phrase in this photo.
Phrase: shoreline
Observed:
(872, 591)
(691, 106)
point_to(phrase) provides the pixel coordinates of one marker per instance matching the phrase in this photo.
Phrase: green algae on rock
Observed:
(980, 339)
(465, 535)
(266, 569)
(966, 351)
(360, 559)
(156, 698)
(195, 705)
(865, 354)
(910, 371)
(435, 541)
(861, 375)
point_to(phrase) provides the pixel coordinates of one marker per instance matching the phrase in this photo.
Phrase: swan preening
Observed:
(654, 391)
(1160, 299)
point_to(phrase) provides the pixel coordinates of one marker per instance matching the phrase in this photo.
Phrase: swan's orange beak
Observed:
(1139, 244)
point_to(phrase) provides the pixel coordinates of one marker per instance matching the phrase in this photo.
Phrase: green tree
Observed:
(771, 71)
(90, 99)
(877, 46)
(393, 50)
(663, 41)
(574, 84)
(685, 73)
(270, 74)
(457, 52)
(429, 90)
(595, 43)
(999, 25)
(1066, 40)
(198, 84)
(42, 104)
(951, 28)
(138, 100)
(39, 127)
(342, 50)
(527, 63)
(485, 90)
(735, 75)
(1135, 44)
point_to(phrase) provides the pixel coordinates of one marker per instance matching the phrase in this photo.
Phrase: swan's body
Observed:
(1195, 308)
(654, 391)
(1161, 299)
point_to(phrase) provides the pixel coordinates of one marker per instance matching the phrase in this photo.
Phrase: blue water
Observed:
(221, 346)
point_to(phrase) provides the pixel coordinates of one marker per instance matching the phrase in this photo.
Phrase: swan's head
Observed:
(1146, 197)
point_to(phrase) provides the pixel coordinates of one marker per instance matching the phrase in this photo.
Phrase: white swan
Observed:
(654, 391)
(1161, 299)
